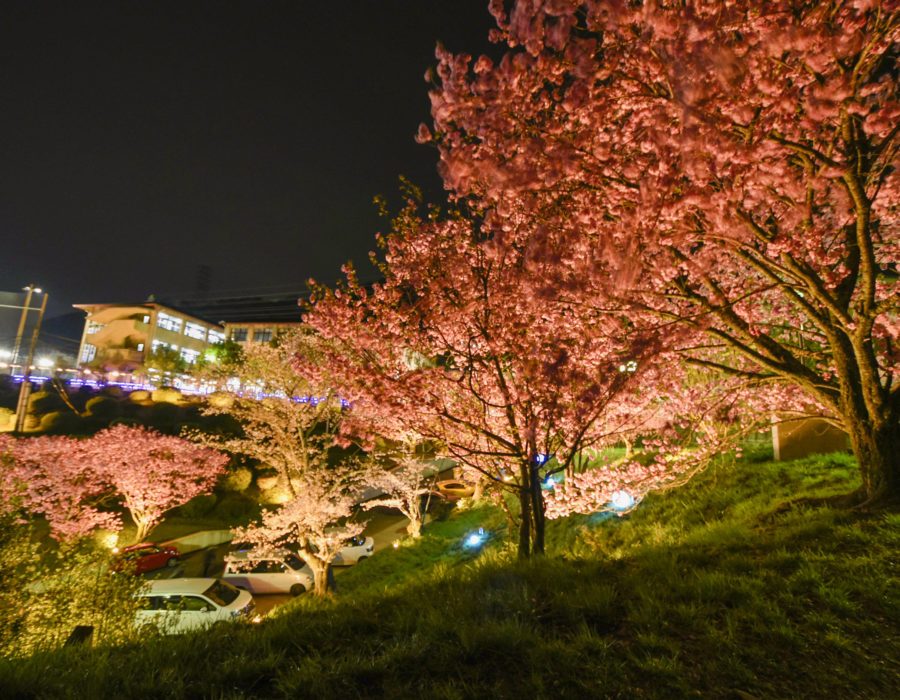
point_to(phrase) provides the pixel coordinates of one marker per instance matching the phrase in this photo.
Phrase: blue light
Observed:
(475, 539)
(540, 459)
(622, 500)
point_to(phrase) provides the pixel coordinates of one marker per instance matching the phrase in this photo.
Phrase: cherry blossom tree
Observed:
(289, 419)
(315, 521)
(728, 167)
(53, 477)
(449, 348)
(151, 472)
(406, 486)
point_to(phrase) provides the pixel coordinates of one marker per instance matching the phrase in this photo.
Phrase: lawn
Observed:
(714, 590)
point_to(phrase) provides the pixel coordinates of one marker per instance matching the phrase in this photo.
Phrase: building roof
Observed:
(261, 308)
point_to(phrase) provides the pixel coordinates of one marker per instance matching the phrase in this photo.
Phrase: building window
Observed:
(170, 323)
(160, 345)
(216, 337)
(93, 327)
(195, 330)
(88, 352)
(140, 347)
(239, 335)
(189, 356)
(146, 319)
(262, 335)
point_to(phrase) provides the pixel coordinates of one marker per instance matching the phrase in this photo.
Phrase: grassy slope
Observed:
(705, 591)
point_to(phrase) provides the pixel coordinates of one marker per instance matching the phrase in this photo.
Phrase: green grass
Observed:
(713, 590)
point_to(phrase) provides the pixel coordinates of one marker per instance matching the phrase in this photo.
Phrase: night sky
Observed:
(141, 140)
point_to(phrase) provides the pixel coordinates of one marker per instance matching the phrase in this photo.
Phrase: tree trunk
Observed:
(525, 512)
(320, 575)
(877, 450)
(537, 510)
(414, 528)
(479, 490)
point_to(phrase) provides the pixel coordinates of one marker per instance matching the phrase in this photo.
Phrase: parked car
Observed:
(356, 549)
(177, 605)
(276, 572)
(454, 489)
(146, 556)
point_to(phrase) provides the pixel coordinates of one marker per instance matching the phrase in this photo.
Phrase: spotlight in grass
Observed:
(475, 539)
(396, 544)
(622, 500)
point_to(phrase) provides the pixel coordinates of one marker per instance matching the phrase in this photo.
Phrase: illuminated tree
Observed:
(289, 420)
(728, 167)
(315, 520)
(53, 477)
(453, 348)
(406, 486)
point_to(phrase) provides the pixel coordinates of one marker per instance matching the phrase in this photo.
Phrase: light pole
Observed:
(25, 309)
(25, 386)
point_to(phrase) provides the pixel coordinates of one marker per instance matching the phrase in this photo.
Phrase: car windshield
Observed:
(295, 562)
(221, 593)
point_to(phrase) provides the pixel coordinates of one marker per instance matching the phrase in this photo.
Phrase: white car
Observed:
(356, 549)
(177, 605)
(275, 572)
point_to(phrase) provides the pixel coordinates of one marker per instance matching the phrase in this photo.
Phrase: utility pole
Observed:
(25, 309)
(25, 386)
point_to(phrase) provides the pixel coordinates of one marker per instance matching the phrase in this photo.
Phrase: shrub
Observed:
(7, 418)
(274, 496)
(172, 396)
(238, 479)
(140, 396)
(62, 422)
(199, 506)
(102, 407)
(264, 482)
(42, 402)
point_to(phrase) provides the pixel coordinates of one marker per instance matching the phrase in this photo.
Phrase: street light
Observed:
(25, 386)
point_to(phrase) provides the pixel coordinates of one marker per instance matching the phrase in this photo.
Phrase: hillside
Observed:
(715, 590)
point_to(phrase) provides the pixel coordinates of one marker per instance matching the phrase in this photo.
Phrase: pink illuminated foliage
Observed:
(456, 347)
(315, 521)
(52, 476)
(67, 480)
(730, 168)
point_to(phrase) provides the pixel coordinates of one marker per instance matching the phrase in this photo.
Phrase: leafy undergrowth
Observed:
(712, 590)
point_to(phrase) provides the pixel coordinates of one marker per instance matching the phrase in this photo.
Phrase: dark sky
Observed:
(139, 140)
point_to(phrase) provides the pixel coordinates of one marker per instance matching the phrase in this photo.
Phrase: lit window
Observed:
(170, 323)
(195, 330)
(140, 347)
(93, 327)
(216, 337)
(189, 356)
(160, 345)
(88, 352)
(239, 335)
(262, 335)
(146, 319)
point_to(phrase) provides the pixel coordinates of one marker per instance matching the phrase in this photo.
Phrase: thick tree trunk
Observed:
(414, 528)
(531, 508)
(525, 512)
(320, 575)
(537, 510)
(877, 450)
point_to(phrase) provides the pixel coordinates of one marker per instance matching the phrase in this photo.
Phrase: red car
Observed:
(146, 556)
